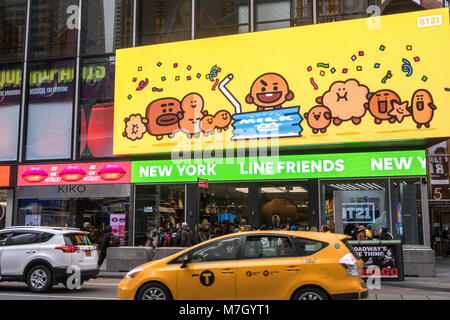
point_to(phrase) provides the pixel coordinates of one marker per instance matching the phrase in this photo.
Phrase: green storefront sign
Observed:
(338, 165)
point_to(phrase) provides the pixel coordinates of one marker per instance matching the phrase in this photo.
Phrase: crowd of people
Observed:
(360, 232)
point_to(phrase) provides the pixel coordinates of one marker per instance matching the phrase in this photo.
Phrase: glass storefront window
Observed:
(277, 14)
(97, 108)
(223, 206)
(220, 18)
(284, 204)
(10, 99)
(99, 213)
(50, 105)
(336, 10)
(157, 206)
(346, 204)
(106, 25)
(164, 21)
(12, 26)
(3, 204)
(407, 210)
(53, 28)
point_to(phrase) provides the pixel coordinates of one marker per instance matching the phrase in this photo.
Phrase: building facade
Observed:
(59, 122)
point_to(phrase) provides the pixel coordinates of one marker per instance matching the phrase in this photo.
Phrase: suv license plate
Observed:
(88, 253)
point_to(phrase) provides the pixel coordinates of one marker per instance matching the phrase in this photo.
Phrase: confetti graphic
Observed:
(323, 65)
(353, 57)
(129, 97)
(199, 75)
(344, 70)
(189, 67)
(159, 64)
(333, 70)
(142, 84)
(322, 73)
(215, 85)
(309, 69)
(213, 73)
(139, 68)
(155, 89)
(177, 78)
(407, 68)
(377, 65)
(359, 68)
(188, 77)
(387, 76)
(416, 59)
(409, 47)
(424, 78)
(382, 48)
(313, 83)
(361, 53)
(175, 65)
(163, 79)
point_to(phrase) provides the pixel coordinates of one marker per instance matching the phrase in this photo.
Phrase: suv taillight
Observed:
(68, 249)
(350, 265)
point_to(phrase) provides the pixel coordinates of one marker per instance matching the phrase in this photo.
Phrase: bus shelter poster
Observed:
(361, 80)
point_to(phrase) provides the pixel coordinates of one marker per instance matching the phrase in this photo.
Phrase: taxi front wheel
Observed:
(310, 293)
(153, 291)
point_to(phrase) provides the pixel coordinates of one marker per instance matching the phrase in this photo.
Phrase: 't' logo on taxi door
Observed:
(207, 278)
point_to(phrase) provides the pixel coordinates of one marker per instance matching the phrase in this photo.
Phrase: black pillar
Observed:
(313, 203)
(254, 205)
(192, 210)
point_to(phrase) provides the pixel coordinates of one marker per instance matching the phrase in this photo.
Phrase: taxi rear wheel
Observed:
(310, 293)
(153, 291)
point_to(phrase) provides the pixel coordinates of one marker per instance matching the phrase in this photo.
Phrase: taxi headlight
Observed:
(133, 273)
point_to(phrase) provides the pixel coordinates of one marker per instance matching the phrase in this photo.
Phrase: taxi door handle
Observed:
(31, 251)
(293, 268)
(228, 271)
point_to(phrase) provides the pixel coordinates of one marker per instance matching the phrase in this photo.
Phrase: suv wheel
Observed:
(153, 291)
(310, 293)
(39, 278)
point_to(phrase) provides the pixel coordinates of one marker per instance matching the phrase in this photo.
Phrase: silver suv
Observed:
(45, 256)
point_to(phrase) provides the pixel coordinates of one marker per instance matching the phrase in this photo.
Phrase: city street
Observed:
(105, 289)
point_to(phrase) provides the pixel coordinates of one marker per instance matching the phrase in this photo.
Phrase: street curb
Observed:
(115, 275)
(419, 287)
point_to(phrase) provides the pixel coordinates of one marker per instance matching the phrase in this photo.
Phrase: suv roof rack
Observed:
(39, 227)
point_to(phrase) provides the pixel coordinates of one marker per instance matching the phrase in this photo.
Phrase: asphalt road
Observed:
(106, 289)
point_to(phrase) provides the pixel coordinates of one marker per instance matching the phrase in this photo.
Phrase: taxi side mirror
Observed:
(186, 260)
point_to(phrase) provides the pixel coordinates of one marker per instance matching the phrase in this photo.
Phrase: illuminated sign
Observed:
(73, 174)
(338, 165)
(340, 82)
(5, 172)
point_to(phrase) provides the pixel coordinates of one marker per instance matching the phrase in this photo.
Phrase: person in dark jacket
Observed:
(179, 231)
(186, 235)
(385, 235)
(104, 245)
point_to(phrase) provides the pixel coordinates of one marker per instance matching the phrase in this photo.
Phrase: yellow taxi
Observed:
(254, 265)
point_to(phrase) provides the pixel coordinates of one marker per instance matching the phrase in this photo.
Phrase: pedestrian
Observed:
(314, 229)
(149, 242)
(204, 232)
(186, 235)
(324, 228)
(104, 245)
(361, 233)
(217, 232)
(354, 231)
(385, 235)
(161, 237)
(178, 232)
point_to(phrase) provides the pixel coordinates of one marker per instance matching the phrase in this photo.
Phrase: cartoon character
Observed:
(422, 108)
(346, 101)
(135, 127)
(222, 120)
(191, 115)
(269, 90)
(162, 115)
(208, 125)
(318, 118)
(399, 111)
(381, 104)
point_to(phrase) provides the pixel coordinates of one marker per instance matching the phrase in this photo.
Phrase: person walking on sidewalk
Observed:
(186, 235)
(361, 233)
(104, 245)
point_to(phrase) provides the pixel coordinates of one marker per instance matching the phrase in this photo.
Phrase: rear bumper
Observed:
(361, 295)
(61, 275)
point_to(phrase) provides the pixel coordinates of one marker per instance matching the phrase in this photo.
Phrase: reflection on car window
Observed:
(21, 238)
(225, 249)
(307, 247)
(267, 247)
(3, 238)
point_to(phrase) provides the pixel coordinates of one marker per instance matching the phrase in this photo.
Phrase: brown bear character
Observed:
(222, 119)
(318, 118)
(422, 108)
(381, 103)
(191, 115)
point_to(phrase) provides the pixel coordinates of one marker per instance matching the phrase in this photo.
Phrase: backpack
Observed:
(167, 240)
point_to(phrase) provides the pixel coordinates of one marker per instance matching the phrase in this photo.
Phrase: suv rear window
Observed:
(307, 247)
(77, 239)
(352, 250)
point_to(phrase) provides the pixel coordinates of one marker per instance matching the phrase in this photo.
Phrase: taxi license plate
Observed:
(88, 253)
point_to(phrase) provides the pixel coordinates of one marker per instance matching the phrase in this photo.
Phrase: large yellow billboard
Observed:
(375, 79)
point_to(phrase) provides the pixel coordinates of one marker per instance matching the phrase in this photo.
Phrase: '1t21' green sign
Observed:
(335, 165)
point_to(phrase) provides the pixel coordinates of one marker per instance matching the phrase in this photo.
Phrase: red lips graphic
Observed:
(112, 172)
(34, 174)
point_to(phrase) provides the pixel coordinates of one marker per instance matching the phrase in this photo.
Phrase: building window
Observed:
(164, 21)
(220, 18)
(276, 14)
(97, 108)
(158, 208)
(12, 26)
(106, 25)
(10, 96)
(50, 104)
(53, 31)
(336, 10)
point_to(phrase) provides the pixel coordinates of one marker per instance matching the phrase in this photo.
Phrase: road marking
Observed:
(52, 296)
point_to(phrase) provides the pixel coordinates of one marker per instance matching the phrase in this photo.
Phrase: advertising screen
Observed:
(364, 80)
